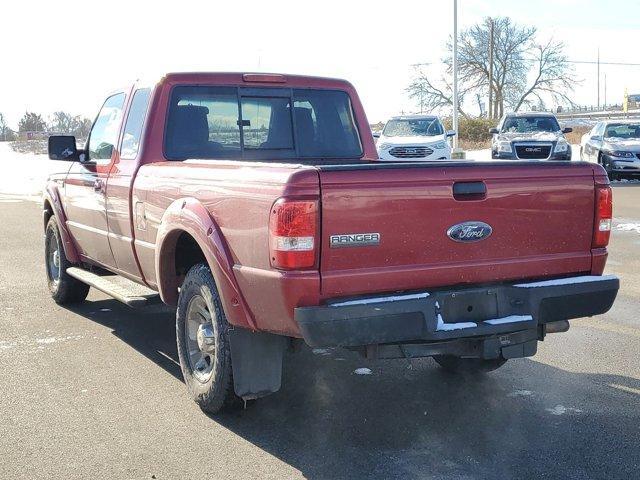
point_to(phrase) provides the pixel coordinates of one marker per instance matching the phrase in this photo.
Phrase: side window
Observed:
(104, 133)
(133, 126)
(598, 129)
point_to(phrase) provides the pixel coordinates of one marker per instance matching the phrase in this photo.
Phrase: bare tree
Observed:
(553, 74)
(61, 122)
(496, 56)
(432, 97)
(6, 134)
(32, 122)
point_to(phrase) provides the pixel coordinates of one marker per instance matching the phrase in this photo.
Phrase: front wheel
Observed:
(203, 342)
(608, 168)
(468, 365)
(62, 286)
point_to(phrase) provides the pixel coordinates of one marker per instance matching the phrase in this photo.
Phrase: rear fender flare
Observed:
(190, 216)
(51, 197)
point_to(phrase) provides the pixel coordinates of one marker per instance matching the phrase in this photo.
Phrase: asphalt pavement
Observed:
(95, 391)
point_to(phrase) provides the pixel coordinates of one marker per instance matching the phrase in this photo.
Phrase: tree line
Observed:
(59, 122)
(500, 61)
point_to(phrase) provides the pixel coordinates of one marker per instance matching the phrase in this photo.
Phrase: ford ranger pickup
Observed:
(257, 206)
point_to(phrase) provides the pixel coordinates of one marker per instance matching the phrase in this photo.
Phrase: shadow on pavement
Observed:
(526, 420)
(150, 330)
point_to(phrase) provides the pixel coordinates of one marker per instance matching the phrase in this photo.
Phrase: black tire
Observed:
(62, 286)
(213, 392)
(468, 365)
(612, 175)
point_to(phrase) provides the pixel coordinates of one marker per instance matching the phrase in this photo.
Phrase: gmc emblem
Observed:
(533, 149)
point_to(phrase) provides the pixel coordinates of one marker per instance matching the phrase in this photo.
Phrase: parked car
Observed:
(530, 136)
(256, 205)
(615, 145)
(414, 137)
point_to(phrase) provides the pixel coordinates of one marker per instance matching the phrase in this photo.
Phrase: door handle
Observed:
(469, 190)
(97, 185)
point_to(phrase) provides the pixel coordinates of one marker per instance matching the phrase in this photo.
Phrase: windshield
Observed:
(530, 124)
(408, 127)
(623, 131)
(260, 124)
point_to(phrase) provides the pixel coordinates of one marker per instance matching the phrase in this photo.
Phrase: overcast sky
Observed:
(67, 55)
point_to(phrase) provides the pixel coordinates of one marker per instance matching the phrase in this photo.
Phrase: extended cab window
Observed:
(133, 126)
(226, 122)
(104, 133)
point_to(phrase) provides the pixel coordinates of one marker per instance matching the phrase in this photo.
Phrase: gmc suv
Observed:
(530, 136)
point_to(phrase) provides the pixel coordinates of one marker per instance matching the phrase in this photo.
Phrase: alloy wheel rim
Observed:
(200, 338)
(53, 259)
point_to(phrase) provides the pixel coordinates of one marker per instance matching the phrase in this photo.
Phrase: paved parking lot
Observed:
(95, 391)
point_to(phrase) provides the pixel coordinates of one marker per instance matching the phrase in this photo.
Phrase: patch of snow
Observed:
(521, 393)
(628, 227)
(45, 341)
(447, 327)
(25, 174)
(321, 351)
(362, 371)
(561, 410)
(7, 345)
(566, 281)
(485, 154)
(394, 298)
(509, 319)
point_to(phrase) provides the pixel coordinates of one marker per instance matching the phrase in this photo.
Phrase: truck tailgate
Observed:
(541, 217)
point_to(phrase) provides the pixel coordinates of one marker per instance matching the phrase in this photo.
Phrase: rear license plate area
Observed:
(473, 306)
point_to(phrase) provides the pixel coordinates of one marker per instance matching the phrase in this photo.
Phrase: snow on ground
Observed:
(485, 154)
(24, 174)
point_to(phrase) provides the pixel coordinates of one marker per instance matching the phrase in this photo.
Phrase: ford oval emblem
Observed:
(469, 232)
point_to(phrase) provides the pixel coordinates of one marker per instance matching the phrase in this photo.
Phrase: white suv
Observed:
(414, 137)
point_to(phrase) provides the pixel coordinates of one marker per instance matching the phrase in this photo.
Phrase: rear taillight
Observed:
(604, 214)
(293, 226)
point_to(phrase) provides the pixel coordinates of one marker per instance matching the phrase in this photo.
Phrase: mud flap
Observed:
(257, 362)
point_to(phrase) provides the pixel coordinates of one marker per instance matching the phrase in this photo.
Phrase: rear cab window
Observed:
(260, 124)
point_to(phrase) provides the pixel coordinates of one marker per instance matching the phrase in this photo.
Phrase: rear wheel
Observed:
(62, 286)
(203, 342)
(468, 365)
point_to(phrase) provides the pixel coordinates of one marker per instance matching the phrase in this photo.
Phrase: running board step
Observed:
(123, 290)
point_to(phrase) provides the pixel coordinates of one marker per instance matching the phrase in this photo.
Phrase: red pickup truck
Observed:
(255, 204)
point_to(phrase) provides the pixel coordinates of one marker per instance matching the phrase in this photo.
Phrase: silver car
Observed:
(614, 144)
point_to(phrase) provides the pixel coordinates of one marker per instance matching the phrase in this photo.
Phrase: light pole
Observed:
(455, 72)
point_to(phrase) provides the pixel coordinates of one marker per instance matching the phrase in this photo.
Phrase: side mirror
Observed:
(376, 135)
(63, 147)
(567, 130)
(493, 131)
(596, 138)
(450, 133)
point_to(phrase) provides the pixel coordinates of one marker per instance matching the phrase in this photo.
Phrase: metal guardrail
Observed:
(613, 114)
